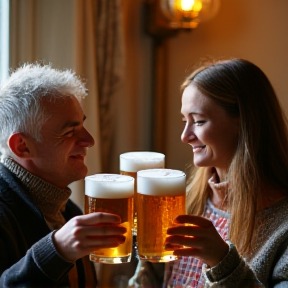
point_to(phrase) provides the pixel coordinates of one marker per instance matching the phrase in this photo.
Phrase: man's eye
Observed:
(69, 133)
(199, 123)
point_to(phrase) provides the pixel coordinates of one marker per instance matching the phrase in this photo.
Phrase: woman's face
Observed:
(211, 132)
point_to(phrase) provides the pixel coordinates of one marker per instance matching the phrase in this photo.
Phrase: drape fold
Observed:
(110, 67)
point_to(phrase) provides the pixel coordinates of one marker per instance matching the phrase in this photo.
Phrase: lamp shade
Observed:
(188, 13)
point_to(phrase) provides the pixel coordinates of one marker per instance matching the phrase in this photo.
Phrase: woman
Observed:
(237, 196)
(238, 134)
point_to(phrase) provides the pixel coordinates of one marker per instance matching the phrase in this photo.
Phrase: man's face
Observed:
(59, 157)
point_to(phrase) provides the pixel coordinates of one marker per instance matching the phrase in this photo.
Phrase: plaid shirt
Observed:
(186, 272)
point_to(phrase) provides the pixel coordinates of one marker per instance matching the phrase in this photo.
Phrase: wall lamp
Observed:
(167, 17)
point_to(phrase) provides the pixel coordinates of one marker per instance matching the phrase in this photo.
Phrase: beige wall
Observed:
(251, 29)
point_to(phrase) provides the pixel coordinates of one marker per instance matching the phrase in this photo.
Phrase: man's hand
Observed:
(83, 234)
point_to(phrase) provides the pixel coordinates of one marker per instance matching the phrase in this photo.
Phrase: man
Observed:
(43, 240)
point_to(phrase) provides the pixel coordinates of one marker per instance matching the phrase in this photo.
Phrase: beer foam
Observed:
(114, 186)
(140, 160)
(161, 182)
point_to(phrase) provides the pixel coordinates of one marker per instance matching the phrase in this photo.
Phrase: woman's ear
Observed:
(18, 144)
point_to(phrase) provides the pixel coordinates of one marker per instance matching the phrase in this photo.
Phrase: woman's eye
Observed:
(199, 123)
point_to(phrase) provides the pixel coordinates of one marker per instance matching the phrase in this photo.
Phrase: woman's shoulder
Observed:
(279, 207)
(272, 222)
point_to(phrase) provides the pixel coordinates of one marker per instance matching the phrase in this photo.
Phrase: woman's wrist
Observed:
(225, 267)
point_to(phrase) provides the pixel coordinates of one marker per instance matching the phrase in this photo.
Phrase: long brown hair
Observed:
(261, 158)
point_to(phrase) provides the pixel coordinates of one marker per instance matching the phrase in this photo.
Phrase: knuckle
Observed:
(77, 220)
(78, 245)
(76, 231)
(101, 216)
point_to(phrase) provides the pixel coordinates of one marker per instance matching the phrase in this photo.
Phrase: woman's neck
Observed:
(219, 192)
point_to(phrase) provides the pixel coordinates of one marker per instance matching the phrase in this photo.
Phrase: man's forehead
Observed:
(61, 100)
(64, 112)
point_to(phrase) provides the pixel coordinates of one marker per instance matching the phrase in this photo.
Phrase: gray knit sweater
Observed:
(267, 264)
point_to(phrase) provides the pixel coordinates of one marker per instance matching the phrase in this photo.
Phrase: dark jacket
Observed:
(28, 257)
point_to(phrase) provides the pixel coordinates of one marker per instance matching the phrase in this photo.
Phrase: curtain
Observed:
(85, 64)
(110, 67)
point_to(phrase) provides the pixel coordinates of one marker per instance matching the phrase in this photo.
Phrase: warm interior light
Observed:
(181, 14)
(197, 6)
(187, 5)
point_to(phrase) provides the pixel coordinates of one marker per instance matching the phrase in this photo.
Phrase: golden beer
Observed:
(132, 162)
(111, 193)
(161, 198)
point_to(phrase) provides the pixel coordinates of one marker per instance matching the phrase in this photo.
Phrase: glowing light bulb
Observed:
(187, 5)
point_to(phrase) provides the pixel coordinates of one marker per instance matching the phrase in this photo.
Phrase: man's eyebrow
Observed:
(72, 123)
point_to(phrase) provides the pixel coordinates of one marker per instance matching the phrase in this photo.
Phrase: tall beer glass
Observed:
(132, 162)
(161, 198)
(111, 193)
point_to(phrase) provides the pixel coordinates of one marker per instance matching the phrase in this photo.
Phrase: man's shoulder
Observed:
(9, 187)
(6, 193)
(7, 180)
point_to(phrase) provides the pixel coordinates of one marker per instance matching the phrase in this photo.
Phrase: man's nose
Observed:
(86, 139)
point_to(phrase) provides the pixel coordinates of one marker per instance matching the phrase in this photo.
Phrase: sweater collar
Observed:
(49, 199)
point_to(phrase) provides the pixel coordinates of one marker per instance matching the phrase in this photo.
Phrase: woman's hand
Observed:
(201, 239)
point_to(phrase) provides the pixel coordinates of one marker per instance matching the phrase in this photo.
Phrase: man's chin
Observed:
(79, 173)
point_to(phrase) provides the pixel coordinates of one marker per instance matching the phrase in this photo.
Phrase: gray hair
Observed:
(21, 96)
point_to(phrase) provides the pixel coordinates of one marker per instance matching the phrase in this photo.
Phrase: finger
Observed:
(99, 243)
(187, 252)
(105, 241)
(184, 241)
(192, 219)
(195, 220)
(101, 230)
(172, 247)
(186, 230)
(98, 217)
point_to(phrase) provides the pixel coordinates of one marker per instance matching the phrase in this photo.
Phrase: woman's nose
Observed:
(187, 135)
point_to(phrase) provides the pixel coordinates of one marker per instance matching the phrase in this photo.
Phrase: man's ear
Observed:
(18, 144)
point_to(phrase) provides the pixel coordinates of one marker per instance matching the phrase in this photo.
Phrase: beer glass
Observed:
(111, 193)
(132, 162)
(161, 198)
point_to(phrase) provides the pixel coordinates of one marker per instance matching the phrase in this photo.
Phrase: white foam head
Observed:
(109, 186)
(140, 160)
(161, 182)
